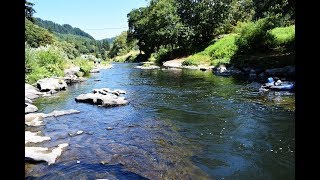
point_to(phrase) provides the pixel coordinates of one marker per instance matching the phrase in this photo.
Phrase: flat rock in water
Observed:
(148, 67)
(62, 112)
(101, 99)
(35, 119)
(95, 70)
(44, 154)
(48, 84)
(29, 108)
(34, 137)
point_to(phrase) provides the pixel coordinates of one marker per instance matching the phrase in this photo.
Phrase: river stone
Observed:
(34, 137)
(32, 92)
(35, 119)
(148, 67)
(62, 112)
(48, 84)
(102, 100)
(71, 71)
(105, 91)
(29, 108)
(44, 154)
(26, 100)
(95, 70)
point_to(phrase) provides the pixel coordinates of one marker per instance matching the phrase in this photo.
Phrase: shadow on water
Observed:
(179, 124)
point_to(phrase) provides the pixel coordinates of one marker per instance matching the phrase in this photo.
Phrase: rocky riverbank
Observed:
(44, 88)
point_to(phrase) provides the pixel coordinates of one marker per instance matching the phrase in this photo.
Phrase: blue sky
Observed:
(92, 16)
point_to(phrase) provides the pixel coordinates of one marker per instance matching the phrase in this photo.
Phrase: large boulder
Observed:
(103, 97)
(44, 154)
(102, 100)
(29, 108)
(72, 71)
(48, 84)
(32, 92)
(71, 78)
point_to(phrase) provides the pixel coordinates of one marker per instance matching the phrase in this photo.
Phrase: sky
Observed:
(99, 18)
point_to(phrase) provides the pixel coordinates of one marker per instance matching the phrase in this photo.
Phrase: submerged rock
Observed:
(48, 84)
(44, 154)
(34, 137)
(148, 67)
(29, 108)
(35, 119)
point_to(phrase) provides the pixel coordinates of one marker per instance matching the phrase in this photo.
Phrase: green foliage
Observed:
(253, 35)
(129, 57)
(197, 59)
(68, 48)
(281, 37)
(84, 64)
(28, 10)
(36, 36)
(121, 46)
(44, 62)
(220, 52)
(162, 54)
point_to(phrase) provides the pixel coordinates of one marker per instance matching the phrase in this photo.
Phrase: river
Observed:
(179, 124)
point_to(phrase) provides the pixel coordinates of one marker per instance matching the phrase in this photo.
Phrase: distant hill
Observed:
(62, 29)
(110, 40)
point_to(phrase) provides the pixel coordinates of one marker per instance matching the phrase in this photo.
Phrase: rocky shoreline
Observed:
(44, 88)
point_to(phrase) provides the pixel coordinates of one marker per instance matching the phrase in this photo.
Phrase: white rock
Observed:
(34, 137)
(29, 108)
(48, 84)
(44, 154)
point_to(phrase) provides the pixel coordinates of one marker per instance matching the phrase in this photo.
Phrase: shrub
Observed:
(44, 62)
(253, 35)
(162, 54)
(84, 64)
(281, 37)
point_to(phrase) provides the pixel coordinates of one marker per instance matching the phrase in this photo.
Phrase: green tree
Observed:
(29, 11)
(36, 36)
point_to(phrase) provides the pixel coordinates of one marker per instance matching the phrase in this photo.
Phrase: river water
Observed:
(179, 124)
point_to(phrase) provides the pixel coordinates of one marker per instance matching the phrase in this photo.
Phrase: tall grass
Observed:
(281, 36)
(220, 52)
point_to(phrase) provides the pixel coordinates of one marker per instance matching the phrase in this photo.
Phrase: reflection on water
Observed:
(179, 124)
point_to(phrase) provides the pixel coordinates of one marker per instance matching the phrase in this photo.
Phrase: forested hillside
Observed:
(62, 29)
